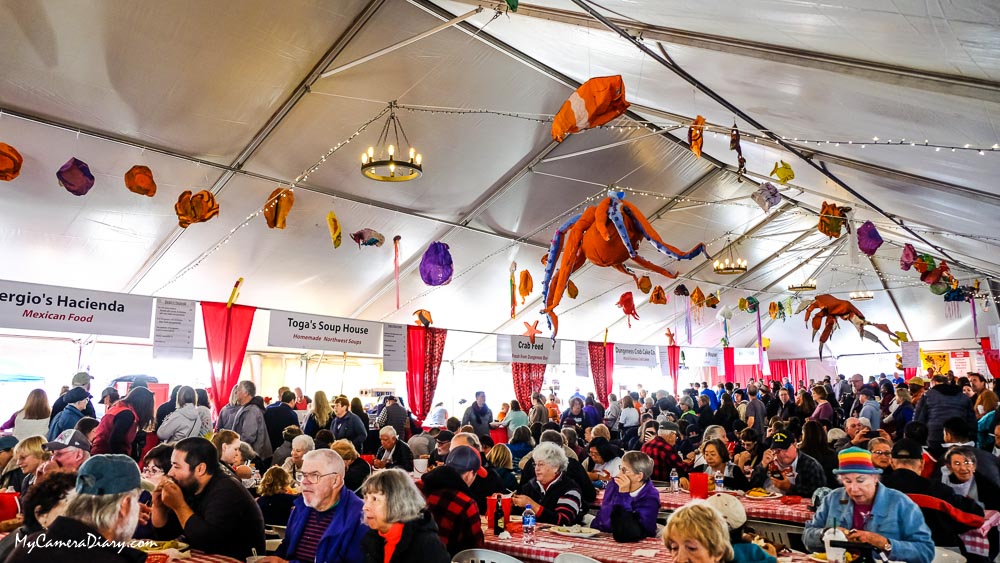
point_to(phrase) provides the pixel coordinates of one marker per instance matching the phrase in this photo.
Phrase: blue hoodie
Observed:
(341, 543)
(65, 420)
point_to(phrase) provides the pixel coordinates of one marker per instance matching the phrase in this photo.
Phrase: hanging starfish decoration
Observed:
(670, 338)
(531, 331)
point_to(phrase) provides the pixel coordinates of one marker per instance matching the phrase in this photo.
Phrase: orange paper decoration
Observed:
(10, 162)
(279, 203)
(196, 208)
(139, 180)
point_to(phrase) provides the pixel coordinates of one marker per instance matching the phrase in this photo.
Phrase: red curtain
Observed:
(729, 362)
(797, 370)
(424, 349)
(602, 366)
(227, 330)
(909, 373)
(528, 379)
(674, 359)
(992, 357)
(779, 369)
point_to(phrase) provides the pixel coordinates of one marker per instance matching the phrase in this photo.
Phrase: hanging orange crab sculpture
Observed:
(831, 309)
(608, 234)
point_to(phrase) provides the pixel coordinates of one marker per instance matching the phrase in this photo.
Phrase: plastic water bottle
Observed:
(675, 481)
(528, 525)
(719, 482)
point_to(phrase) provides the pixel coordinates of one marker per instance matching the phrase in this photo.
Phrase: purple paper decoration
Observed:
(75, 176)
(908, 257)
(436, 266)
(868, 238)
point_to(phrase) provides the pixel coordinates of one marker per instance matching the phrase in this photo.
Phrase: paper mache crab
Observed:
(587, 236)
(831, 309)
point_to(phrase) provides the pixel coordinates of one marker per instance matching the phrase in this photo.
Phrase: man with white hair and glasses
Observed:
(101, 514)
(326, 521)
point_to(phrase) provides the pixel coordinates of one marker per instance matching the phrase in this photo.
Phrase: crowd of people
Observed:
(900, 467)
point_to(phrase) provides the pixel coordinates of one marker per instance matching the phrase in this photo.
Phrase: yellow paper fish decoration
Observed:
(336, 232)
(783, 172)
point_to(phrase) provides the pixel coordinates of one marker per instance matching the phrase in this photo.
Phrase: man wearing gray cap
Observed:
(81, 379)
(100, 518)
(69, 452)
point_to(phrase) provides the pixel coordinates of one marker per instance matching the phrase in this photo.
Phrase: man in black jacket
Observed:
(393, 452)
(574, 470)
(213, 511)
(279, 416)
(81, 379)
(947, 514)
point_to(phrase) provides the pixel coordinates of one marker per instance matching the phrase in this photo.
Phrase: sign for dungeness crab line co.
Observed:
(64, 309)
(314, 332)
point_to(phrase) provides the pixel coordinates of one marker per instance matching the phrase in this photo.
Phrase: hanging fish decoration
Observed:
(436, 266)
(139, 180)
(711, 300)
(513, 290)
(753, 305)
(277, 207)
(572, 290)
(196, 208)
(766, 196)
(734, 145)
(368, 237)
(525, 286)
(908, 257)
(333, 225)
(868, 238)
(423, 317)
(783, 172)
(75, 176)
(627, 306)
(645, 284)
(658, 297)
(696, 135)
(923, 263)
(832, 218)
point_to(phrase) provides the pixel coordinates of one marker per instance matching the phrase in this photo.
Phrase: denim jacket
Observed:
(893, 515)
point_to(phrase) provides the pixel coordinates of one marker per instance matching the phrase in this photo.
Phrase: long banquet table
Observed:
(603, 548)
(757, 509)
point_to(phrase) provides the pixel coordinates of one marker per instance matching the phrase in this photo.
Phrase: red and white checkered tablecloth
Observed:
(975, 540)
(757, 509)
(602, 548)
(199, 557)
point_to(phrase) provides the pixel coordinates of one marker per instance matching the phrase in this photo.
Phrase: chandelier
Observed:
(731, 264)
(808, 285)
(861, 293)
(381, 163)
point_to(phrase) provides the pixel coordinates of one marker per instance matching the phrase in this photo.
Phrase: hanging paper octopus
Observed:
(627, 306)
(831, 309)
(590, 238)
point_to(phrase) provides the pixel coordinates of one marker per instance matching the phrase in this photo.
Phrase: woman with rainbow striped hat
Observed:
(867, 511)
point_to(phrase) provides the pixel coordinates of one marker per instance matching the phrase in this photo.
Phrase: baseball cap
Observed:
(108, 391)
(907, 449)
(108, 474)
(917, 380)
(867, 392)
(82, 378)
(731, 509)
(7, 443)
(444, 436)
(667, 425)
(781, 441)
(76, 394)
(69, 438)
(464, 458)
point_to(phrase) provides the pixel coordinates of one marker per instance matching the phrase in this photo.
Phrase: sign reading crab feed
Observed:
(313, 332)
(635, 355)
(511, 348)
(63, 309)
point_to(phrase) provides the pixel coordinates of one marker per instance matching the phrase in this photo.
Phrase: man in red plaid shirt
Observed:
(450, 502)
(661, 449)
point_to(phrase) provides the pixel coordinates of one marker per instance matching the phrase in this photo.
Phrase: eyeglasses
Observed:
(315, 477)
(961, 463)
(881, 452)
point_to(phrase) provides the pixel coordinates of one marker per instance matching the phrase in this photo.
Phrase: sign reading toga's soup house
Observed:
(64, 309)
(315, 332)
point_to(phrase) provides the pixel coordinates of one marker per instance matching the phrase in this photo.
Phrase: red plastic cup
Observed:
(506, 503)
(9, 505)
(699, 485)
(369, 458)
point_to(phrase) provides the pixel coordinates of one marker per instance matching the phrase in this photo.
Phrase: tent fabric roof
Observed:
(224, 98)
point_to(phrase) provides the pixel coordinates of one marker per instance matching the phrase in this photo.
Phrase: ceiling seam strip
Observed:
(276, 118)
(820, 167)
(975, 88)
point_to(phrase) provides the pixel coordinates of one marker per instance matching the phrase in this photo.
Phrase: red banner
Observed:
(602, 366)
(424, 350)
(674, 359)
(729, 362)
(227, 330)
(992, 357)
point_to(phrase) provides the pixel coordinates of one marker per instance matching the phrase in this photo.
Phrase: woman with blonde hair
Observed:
(357, 469)
(321, 416)
(33, 418)
(276, 497)
(30, 453)
(697, 533)
(503, 464)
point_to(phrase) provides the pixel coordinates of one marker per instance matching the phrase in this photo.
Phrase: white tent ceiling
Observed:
(226, 97)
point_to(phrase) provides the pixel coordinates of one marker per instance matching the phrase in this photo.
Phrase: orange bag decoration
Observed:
(277, 207)
(596, 102)
(139, 180)
(525, 286)
(832, 218)
(10, 162)
(696, 135)
(658, 297)
(645, 284)
(571, 290)
(196, 208)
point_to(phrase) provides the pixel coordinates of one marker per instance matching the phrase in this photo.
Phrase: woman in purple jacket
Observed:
(630, 500)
